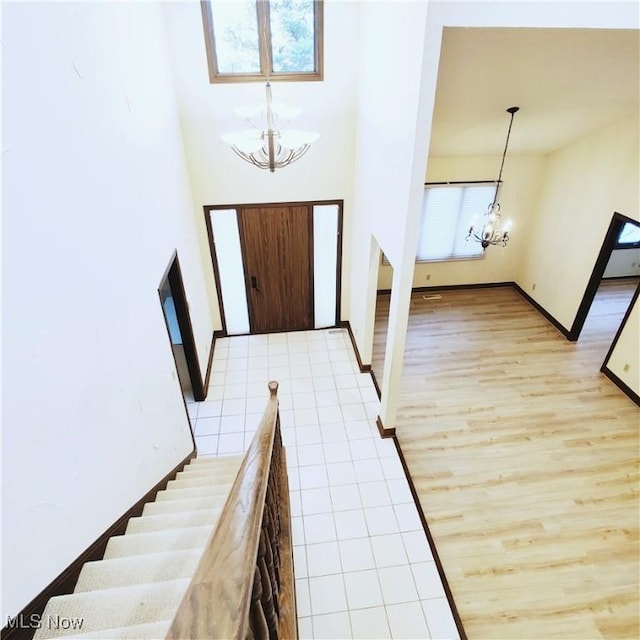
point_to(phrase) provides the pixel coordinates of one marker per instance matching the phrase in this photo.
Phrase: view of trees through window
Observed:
(236, 37)
(251, 38)
(292, 38)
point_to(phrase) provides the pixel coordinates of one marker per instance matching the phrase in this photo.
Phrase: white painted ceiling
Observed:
(566, 82)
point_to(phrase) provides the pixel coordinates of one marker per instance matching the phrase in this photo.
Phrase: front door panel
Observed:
(277, 251)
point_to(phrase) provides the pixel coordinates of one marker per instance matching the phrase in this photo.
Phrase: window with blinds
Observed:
(447, 213)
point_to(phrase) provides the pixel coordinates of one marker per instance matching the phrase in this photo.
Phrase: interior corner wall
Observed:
(95, 202)
(397, 73)
(584, 184)
(389, 82)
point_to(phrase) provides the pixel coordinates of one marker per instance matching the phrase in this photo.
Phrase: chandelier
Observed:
(489, 230)
(266, 144)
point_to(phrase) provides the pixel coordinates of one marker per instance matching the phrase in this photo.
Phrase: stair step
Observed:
(215, 460)
(213, 474)
(199, 481)
(190, 504)
(226, 468)
(135, 544)
(149, 631)
(132, 570)
(229, 464)
(194, 492)
(113, 608)
(177, 520)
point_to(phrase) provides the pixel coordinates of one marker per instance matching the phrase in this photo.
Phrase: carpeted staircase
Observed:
(135, 590)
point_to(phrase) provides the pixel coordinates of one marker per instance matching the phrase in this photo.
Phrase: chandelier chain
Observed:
(490, 230)
(512, 111)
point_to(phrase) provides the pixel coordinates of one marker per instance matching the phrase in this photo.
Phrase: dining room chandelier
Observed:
(490, 230)
(266, 144)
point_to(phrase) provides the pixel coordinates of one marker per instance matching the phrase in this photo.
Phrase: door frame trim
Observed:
(605, 365)
(310, 203)
(608, 243)
(173, 278)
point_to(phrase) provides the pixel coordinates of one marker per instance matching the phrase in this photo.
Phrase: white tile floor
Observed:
(362, 563)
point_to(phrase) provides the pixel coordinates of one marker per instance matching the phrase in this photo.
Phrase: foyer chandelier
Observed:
(489, 230)
(266, 144)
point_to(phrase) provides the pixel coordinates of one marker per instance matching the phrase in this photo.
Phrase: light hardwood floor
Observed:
(525, 459)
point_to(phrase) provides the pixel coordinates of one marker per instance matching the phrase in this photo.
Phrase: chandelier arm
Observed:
(245, 156)
(285, 158)
(280, 158)
(295, 154)
(253, 126)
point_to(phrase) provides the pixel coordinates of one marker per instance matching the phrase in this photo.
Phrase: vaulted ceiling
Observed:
(566, 82)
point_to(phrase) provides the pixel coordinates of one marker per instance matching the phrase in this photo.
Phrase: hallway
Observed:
(362, 562)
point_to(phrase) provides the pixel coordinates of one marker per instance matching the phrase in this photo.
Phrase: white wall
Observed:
(392, 139)
(95, 200)
(623, 262)
(518, 195)
(206, 112)
(585, 183)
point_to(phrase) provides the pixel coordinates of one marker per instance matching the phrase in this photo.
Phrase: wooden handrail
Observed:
(218, 601)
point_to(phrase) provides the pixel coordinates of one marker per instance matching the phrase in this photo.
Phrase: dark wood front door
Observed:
(277, 251)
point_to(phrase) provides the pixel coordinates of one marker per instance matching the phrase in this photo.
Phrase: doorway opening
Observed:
(381, 320)
(175, 309)
(611, 293)
(611, 264)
